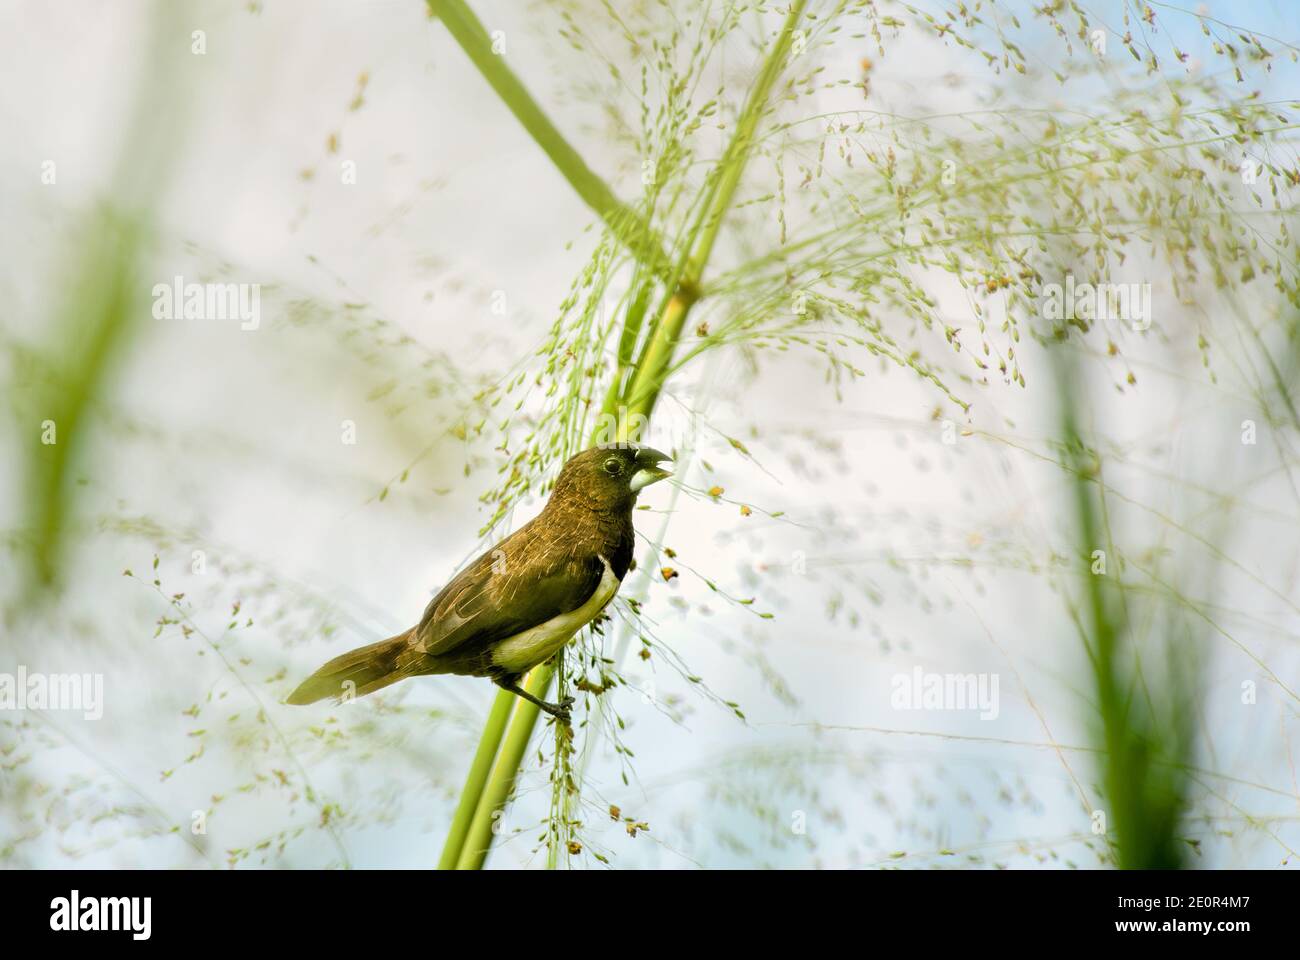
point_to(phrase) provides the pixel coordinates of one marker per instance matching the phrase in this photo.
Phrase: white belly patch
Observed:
(526, 650)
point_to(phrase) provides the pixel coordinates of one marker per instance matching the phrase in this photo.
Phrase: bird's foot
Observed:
(561, 711)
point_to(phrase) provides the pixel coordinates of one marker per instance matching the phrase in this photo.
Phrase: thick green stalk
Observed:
(467, 30)
(493, 730)
(649, 377)
(647, 381)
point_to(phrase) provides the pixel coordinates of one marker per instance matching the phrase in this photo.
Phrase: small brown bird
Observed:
(520, 602)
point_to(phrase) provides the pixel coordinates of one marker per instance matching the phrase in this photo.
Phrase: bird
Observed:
(520, 602)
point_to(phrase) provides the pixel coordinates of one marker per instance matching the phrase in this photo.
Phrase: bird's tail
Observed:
(360, 671)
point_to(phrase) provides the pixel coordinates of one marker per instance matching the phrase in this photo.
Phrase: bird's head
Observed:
(612, 474)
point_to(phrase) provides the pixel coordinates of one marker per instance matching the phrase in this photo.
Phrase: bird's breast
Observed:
(537, 644)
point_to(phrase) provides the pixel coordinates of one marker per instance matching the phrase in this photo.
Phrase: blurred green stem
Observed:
(102, 309)
(1145, 750)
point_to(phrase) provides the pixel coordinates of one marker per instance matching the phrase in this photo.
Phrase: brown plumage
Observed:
(519, 602)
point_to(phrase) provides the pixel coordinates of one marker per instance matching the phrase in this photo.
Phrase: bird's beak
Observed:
(648, 470)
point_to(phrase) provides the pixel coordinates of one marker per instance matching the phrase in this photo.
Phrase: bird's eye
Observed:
(613, 466)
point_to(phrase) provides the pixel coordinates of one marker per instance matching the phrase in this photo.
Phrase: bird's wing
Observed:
(525, 580)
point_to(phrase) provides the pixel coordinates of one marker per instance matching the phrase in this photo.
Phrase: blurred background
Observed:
(1097, 522)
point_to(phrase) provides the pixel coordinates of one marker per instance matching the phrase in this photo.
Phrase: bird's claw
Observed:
(562, 711)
